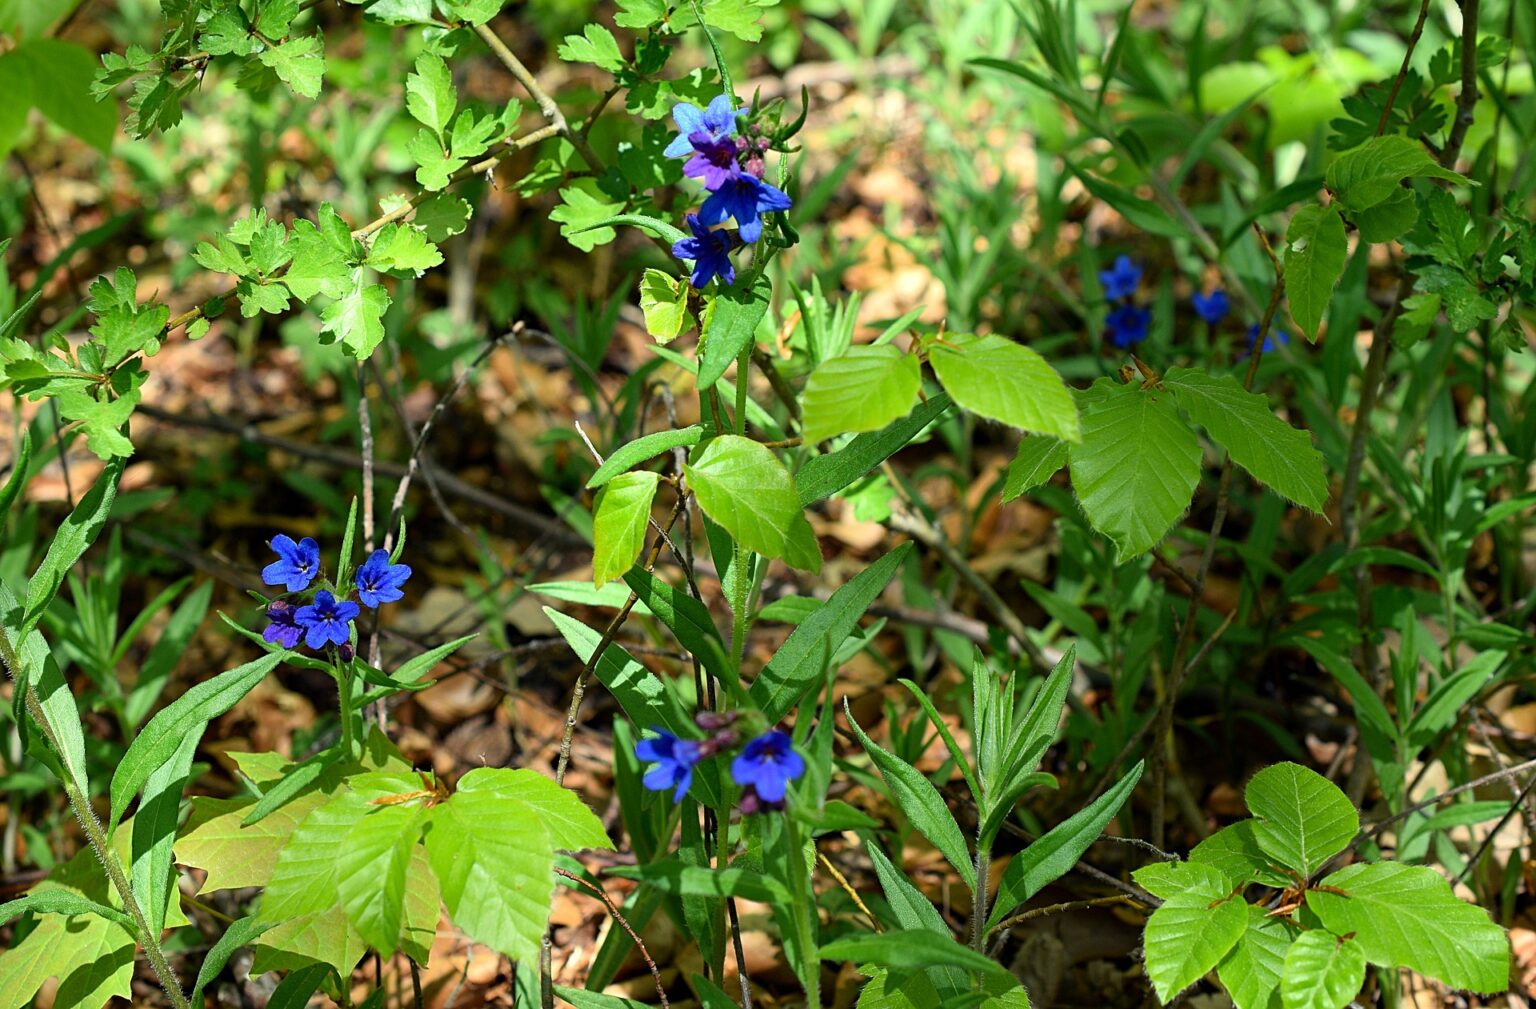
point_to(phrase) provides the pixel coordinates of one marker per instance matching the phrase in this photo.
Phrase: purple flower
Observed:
(1128, 325)
(327, 621)
(284, 629)
(296, 564)
(379, 581)
(1120, 281)
(767, 765)
(1212, 307)
(715, 122)
(1271, 341)
(710, 252)
(714, 161)
(744, 198)
(674, 759)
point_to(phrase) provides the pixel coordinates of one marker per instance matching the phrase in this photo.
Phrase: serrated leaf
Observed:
(583, 207)
(300, 63)
(1407, 916)
(1390, 219)
(863, 390)
(1251, 971)
(434, 164)
(403, 247)
(492, 858)
(1006, 382)
(746, 489)
(1167, 880)
(357, 317)
(371, 872)
(442, 215)
(1234, 851)
(664, 303)
(231, 854)
(571, 824)
(1187, 937)
(595, 45)
(1303, 819)
(1372, 172)
(1321, 971)
(1263, 444)
(275, 16)
(619, 523)
(1039, 458)
(429, 94)
(1136, 467)
(1315, 250)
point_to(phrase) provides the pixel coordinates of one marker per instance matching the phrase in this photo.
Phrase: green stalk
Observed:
(344, 702)
(980, 898)
(805, 911)
(80, 804)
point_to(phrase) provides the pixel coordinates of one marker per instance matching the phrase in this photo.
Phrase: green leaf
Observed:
(1390, 219)
(357, 317)
(1445, 704)
(60, 901)
(59, 75)
(492, 858)
(403, 247)
(1407, 916)
(729, 326)
(442, 215)
(619, 523)
(638, 451)
(688, 618)
(863, 390)
(475, 12)
(744, 487)
(75, 535)
(1463, 300)
(303, 882)
(20, 472)
(240, 933)
(1303, 818)
(1167, 880)
(661, 229)
(102, 421)
(911, 908)
(1137, 465)
(1372, 172)
(1038, 459)
(664, 303)
(1234, 851)
(1187, 937)
(596, 45)
(803, 658)
(909, 949)
(154, 830)
(275, 16)
(371, 871)
(1052, 855)
(1315, 250)
(674, 877)
(1419, 313)
(584, 208)
(917, 798)
(825, 475)
(1251, 971)
(429, 94)
(300, 63)
(232, 854)
(323, 255)
(1005, 381)
(185, 716)
(571, 824)
(414, 668)
(1263, 444)
(1321, 971)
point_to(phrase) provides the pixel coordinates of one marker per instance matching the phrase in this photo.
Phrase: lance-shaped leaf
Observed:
(619, 524)
(1315, 249)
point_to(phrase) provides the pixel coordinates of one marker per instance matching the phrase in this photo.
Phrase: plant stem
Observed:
(980, 897)
(805, 911)
(344, 702)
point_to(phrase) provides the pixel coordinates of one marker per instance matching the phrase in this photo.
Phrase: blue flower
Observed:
(768, 764)
(1128, 325)
(1121, 280)
(1271, 341)
(1212, 307)
(744, 198)
(714, 161)
(710, 252)
(296, 564)
(284, 629)
(674, 759)
(327, 621)
(379, 581)
(715, 122)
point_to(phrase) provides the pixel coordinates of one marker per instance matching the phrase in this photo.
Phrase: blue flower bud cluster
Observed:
(763, 767)
(321, 619)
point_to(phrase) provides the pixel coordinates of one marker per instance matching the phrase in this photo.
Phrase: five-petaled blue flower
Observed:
(1120, 281)
(1128, 325)
(674, 759)
(296, 564)
(1271, 341)
(284, 629)
(379, 581)
(713, 160)
(710, 252)
(1212, 307)
(744, 198)
(326, 621)
(768, 764)
(716, 121)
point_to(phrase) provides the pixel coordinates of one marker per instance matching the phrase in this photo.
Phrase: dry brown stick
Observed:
(613, 910)
(1070, 905)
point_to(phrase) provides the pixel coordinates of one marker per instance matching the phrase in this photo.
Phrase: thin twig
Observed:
(1402, 71)
(613, 910)
(547, 106)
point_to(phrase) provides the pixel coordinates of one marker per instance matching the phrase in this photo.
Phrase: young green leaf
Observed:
(730, 324)
(664, 303)
(744, 487)
(1263, 444)
(583, 209)
(1251, 971)
(1187, 937)
(1315, 249)
(429, 94)
(825, 475)
(1372, 172)
(1136, 467)
(299, 62)
(1321, 971)
(641, 449)
(572, 826)
(357, 317)
(1167, 880)
(863, 390)
(1303, 819)
(596, 45)
(403, 247)
(619, 524)
(1038, 459)
(1235, 851)
(1007, 382)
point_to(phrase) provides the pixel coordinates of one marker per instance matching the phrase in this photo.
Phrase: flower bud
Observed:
(345, 652)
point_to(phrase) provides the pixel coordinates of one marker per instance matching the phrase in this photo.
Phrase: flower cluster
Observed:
(323, 620)
(1127, 323)
(729, 161)
(764, 767)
